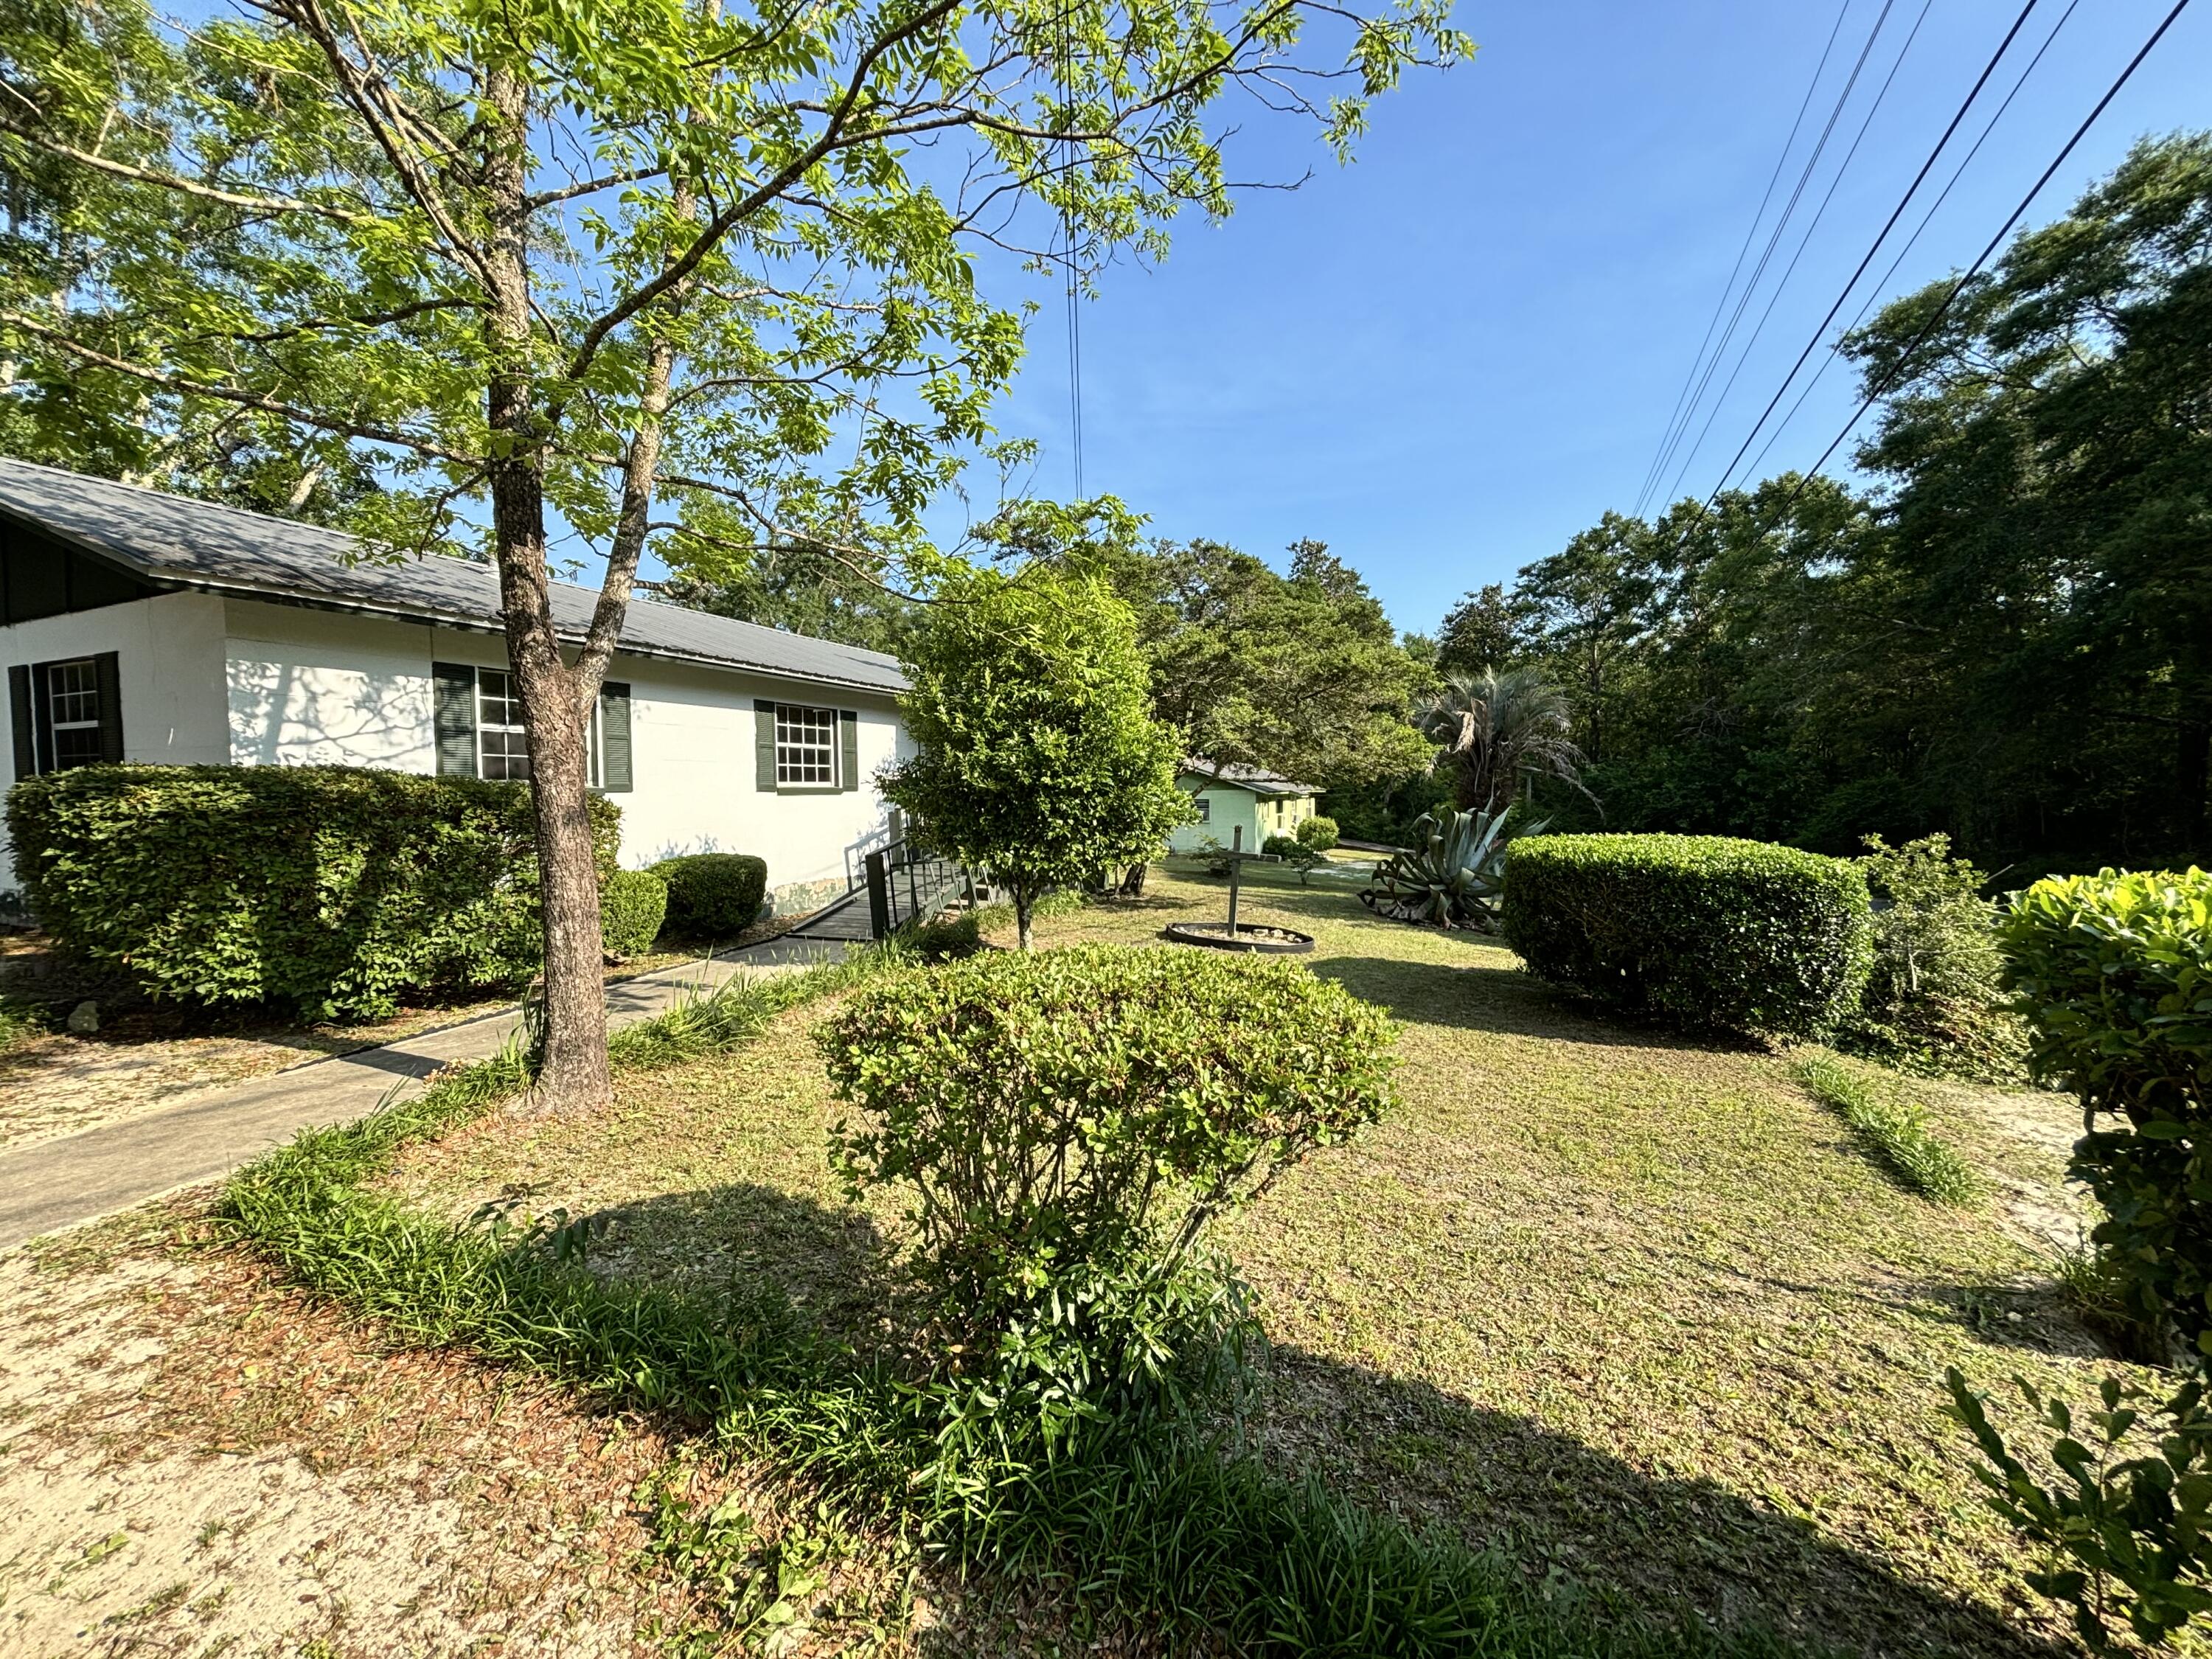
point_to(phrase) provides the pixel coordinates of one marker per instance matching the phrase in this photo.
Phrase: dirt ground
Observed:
(195, 1461)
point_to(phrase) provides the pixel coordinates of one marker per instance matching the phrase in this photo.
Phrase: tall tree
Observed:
(1483, 630)
(601, 262)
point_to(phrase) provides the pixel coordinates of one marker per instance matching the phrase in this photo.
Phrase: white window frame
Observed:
(90, 691)
(790, 748)
(512, 696)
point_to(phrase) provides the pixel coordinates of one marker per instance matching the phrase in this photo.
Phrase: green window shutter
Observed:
(614, 737)
(454, 687)
(849, 752)
(764, 745)
(19, 711)
(107, 674)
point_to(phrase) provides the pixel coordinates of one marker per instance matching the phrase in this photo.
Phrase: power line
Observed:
(1888, 225)
(1750, 234)
(1958, 286)
(1881, 283)
(1774, 241)
(1804, 242)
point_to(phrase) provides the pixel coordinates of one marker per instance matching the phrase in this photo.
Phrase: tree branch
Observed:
(238, 395)
(182, 185)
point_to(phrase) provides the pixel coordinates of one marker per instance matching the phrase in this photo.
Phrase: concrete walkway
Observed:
(81, 1177)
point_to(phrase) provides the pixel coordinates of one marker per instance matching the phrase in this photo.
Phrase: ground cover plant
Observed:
(1895, 1129)
(1700, 931)
(1632, 1310)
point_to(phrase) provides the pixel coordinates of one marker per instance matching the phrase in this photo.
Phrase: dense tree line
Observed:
(2007, 636)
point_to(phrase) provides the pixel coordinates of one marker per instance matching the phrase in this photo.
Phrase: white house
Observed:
(141, 626)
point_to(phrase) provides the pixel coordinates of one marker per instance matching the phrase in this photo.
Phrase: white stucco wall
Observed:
(311, 687)
(169, 658)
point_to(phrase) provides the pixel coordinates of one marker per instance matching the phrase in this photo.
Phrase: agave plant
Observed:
(1452, 875)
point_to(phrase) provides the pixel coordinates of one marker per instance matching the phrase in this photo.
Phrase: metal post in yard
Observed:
(880, 897)
(1235, 865)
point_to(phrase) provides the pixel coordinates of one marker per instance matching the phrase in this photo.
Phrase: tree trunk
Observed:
(2192, 773)
(1024, 903)
(574, 1074)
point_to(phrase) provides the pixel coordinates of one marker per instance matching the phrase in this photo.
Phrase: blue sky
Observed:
(1447, 358)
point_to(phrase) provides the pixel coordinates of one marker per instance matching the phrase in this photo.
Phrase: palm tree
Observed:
(1498, 729)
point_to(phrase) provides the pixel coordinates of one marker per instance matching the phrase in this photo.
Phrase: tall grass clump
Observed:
(1169, 1523)
(1894, 1128)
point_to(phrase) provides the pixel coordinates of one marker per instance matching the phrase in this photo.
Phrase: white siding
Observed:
(319, 688)
(306, 688)
(168, 665)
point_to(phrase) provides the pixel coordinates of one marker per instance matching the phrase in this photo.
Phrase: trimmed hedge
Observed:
(330, 889)
(1318, 832)
(632, 904)
(1701, 931)
(712, 896)
(2114, 973)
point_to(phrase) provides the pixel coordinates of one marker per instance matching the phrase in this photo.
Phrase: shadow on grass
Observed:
(1634, 1541)
(1484, 996)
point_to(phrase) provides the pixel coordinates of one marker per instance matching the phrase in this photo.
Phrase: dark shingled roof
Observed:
(1258, 780)
(174, 542)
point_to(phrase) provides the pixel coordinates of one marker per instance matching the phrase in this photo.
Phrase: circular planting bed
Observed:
(1215, 936)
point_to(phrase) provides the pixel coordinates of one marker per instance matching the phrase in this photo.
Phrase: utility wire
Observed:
(1888, 225)
(1750, 234)
(1774, 241)
(1881, 283)
(1958, 286)
(1803, 242)
(1068, 149)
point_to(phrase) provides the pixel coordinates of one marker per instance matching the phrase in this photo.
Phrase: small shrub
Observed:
(632, 904)
(712, 896)
(2131, 1517)
(1068, 1123)
(1293, 852)
(1934, 1000)
(2114, 973)
(1894, 1127)
(1700, 931)
(331, 888)
(1318, 832)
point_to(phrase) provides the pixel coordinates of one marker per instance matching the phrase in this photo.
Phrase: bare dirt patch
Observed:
(195, 1459)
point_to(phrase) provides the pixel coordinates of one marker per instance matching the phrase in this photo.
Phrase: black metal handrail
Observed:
(907, 883)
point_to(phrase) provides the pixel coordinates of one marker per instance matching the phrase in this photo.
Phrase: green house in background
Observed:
(1265, 803)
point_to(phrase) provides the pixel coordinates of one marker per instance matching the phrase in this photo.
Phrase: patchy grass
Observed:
(1894, 1128)
(1632, 1308)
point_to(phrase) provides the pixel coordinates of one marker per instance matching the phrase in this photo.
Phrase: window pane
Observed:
(76, 745)
(73, 693)
(805, 746)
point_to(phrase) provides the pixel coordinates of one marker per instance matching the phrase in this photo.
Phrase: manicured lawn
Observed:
(1633, 1307)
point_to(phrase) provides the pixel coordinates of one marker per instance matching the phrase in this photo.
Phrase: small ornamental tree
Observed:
(1039, 758)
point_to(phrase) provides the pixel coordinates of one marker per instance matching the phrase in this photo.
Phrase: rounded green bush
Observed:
(1283, 847)
(1071, 1120)
(632, 904)
(1701, 931)
(2114, 973)
(332, 888)
(1318, 832)
(712, 896)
